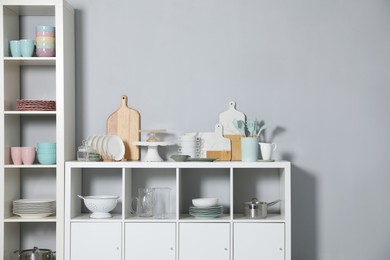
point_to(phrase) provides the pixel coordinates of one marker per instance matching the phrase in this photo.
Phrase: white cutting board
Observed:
(214, 141)
(226, 119)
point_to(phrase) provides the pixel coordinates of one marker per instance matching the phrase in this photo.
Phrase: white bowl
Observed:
(205, 202)
(100, 206)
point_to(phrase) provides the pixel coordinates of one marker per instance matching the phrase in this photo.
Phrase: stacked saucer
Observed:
(206, 212)
(34, 208)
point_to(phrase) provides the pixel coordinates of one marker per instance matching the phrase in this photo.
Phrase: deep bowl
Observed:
(205, 202)
(45, 52)
(46, 158)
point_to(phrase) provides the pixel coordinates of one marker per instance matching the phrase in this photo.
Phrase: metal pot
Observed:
(257, 209)
(34, 254)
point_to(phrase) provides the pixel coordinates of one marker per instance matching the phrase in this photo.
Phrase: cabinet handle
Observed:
(172, 248)
(226, 249)
(117, 248)
(281, 249)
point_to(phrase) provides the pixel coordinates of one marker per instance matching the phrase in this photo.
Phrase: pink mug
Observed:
(16, 155)
(28, 155)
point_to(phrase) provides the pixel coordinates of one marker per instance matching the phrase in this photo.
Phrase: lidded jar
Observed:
(84, 151)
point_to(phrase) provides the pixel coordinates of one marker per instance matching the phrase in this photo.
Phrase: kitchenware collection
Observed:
(235, 138)
(44, 152)
(43, 45)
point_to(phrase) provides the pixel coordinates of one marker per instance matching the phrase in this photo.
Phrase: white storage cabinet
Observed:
(38, 78)
(181, 236)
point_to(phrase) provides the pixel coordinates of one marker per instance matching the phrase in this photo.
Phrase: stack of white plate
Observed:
(206, 212)
(110, 147)
(34, 208)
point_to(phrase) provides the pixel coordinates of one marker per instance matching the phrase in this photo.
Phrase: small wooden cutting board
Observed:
(126, 123)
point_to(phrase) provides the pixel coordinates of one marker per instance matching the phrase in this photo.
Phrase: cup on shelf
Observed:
(27, 47)
(28, 155)
(15, 48)
(16, 155)
(266, 150)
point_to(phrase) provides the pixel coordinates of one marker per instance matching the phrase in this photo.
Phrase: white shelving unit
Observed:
(181, 236)
(51, 78)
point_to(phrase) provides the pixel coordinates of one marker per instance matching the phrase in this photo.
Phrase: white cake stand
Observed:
(152, 154)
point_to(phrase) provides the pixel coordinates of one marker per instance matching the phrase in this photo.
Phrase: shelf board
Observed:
(33, 166)
(85, 217)
(132, 218)
(270, 218)
(19, 219)
(30, 113)
(32, 61)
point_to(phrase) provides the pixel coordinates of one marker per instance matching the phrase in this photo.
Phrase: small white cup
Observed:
(266, 150)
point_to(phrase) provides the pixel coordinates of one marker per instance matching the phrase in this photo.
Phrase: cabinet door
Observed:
(146, 241)
(254, 241)
(204, 241)
(97, 241)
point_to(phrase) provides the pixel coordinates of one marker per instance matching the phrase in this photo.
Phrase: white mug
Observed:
(266, 150)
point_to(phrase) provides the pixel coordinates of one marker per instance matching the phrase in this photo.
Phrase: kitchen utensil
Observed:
(261, 129)
(217, 143)
(125, 123)
(162, 205)
(100, 205)
(251, 126)
(34, 254)
(257, 209)
(226, 119)
(144, 203)
(266, 150)
(205, 202)
(240, 126)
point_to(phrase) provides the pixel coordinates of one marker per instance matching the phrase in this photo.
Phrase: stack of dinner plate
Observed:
(34, 208)
(206, 212)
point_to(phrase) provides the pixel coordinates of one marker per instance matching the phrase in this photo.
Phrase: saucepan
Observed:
(257, 209)
(34, 254)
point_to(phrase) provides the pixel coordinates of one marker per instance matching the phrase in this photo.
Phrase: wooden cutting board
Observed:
(126, 123)
(226, 119)
(236, 146)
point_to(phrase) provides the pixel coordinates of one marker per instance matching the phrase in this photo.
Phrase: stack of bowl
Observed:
(45, 38)
(46, 153)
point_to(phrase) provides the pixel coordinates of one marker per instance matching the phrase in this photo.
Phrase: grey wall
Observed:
(318, 70)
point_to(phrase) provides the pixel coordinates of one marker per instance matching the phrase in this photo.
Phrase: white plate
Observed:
(115, 148)
(24, 201)
(41, 215)
(99, 144)
(104, 144)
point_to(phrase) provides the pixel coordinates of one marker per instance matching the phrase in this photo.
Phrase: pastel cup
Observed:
(267, 150)
(16, 155)
(45, 28)
(15, 48)
(43, 33)
(27, 47)
(44, 39)
(28, 155)
(45, 52)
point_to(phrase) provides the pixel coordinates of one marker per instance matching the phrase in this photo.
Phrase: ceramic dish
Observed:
(201, 159)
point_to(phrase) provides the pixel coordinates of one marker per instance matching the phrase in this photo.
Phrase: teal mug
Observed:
(27, 47)
(15, 48)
